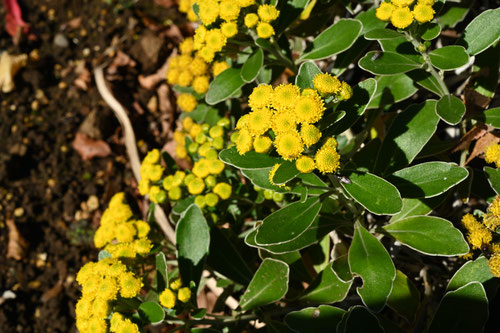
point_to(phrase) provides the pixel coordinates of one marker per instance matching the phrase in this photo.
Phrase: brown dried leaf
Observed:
(17, 244)
(52, 292)
(150, 81)
(481, 145)
(475, 133)
(121, 60)
(165, 3)
(89, 148)
(84, 76)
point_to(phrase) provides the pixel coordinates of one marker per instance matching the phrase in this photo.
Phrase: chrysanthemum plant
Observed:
(361, 133)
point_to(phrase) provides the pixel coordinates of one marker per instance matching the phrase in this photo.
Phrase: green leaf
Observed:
(268, 285)
(450, 109)
(103, 254)
(449, 57)
(493, 176)
(365, 188)
(404, 298)
(490, 117)
(252, 66)
(354, 107)
(427, 81)
(181, 205)
(224, 86)
(285, 172)
(203, 330)
(429, 31)
(369, 259)
(342, 269)
(392, 89)
(430, 235)
(322, 319)
(486, 71)
(427, 180)
(377, 34)
(335, 39)
(455, 14)
(289, 12)
(408, 134)
(327, 288)
(414, 207)
(307, 71)
(288, 223)
(250, 160)
(359, 319)
(193, 241)
(482, 32)
(475, 271)
(161, 272)
(387, 63)
(462, 310)
(151, 312)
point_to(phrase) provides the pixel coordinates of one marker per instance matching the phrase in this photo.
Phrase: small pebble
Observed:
(61, 40)
(19, 211)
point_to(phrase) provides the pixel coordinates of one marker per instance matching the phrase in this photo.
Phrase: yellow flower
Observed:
(201, 84)
(262, 144)
(265, 30)
(180, 151)
(494, 207)
(284, 96)
(198, 66)
(125, 232)
(479, 236)
(175, 193)
(83, 307)
(327, 159)
(85, 273)
(331, 142)
(245, 3)
(229, 29)
(130, 286)
(184, 61)
(251, 20)
(210, 181)
(215, 40)
(196, 186)
(401, 17)
(206, 54)
(184, 5)
(187, 123)
(423, 13)
(260, 97)
(272, 172)
(305, 164)
(173, 75)
(195, 130)
(216, 131)
(244, 142)
(219, 67)
(199, 37)
(180, 137)
(402, 3)
(107, 289)
(187, 102)
(283, 122)
(492, 154)
(216, 166)
(491, 221)
(143, 246)
(229, 10)
(127, 326)
(268, 13)
(186, 46)
(326, 84)
(100, 308)
(167, 298)
(184, 294)
(289, 145)
(201, 168)
(223, 190)
(494, 264)
(218, 143)
(259, 121)
(142, 228)
(384, 11)
(152, 157)
(470, 223)
(308, 109)
(427, 2)
(211, 199)
(97, 325)
(155, 172)
(310, 134)
(209, 11)
(345, 92)
(176, 284)
(185, 78)
(199, 201)
(191, 15)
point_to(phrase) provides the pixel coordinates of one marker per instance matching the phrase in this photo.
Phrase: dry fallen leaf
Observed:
(481, 144)
(84, 77)
(475, 133)
(17, 244)
(150, 81)
(121, 60)
(9, 66)
(89, 148)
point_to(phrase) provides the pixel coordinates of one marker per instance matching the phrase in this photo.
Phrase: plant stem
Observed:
(347, 203)
(275, 50)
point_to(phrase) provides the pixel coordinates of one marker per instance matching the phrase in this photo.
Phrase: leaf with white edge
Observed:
(342, 269)
(408, 134)
(161, 271)
(429, 31)
(322, 319)
(224, 86)
(327, 288)
(151, 312)
(462, 310)
(335, 39)
(252, 66)
(392, 89)
(493, 176)
(366, 189)
(288, 223)
(426, 180)
(307, 71)
(268, 285)
(285, 172)
(250, 160)
(193, 241)
(430, 235)
(204, 330)
(450, 109)
(490, 117)
(404, 298)
(449, 57)
(482, 32)
(359, 319)
(414, 207)
(369, 259)
(383, 33)
(387, 63)
(453, 15)
(427, 81)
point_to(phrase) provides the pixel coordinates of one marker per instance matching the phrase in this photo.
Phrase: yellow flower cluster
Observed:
(119, 233)
(192, 70)
(492, 154)
(401, 15)
(175, 292)
(480, 234)
(186, 7)
(151, 175)
(290, 114)
(102, 282)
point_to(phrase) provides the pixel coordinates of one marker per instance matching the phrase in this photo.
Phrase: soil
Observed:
(54, 196)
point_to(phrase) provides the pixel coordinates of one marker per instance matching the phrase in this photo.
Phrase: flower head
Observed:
(261, 144)
(265, 30)
(494, 263)
(402, 3)
(401, 17)
(268, 13)
(310, 134)
(423, 13)
(305, 164)
(215, 40)
(251, 20)
(167, 298)
(327, 159)
(196, 186)
(284, 96)
(244, 141)
(326, 84)
(229, 10)
(229, 29)
(261, 96)
(259, 121)
(492, 154)
(184, 294)
(308, 109)
(289, 145)
(384, 11)
(198, 66)
(201, 84)
(223, 190)
(283, 122)
(209, 11)
(219, 67)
